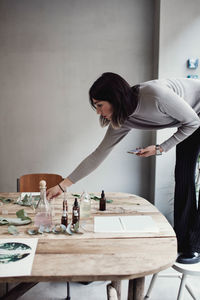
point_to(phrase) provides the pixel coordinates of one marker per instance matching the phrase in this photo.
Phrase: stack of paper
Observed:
(125, 224)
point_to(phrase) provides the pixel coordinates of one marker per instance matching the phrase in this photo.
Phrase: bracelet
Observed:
(158, 150)
(61, 188)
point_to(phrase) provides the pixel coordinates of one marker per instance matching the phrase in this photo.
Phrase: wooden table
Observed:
(99, 256)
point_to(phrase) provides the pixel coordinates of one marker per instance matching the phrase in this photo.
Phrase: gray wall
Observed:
(179, 40)
(50, 53)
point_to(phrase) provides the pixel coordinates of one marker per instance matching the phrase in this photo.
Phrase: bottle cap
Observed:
(43, 184)
(75, 202)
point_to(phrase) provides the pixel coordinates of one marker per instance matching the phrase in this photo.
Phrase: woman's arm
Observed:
(177, 108)
(91, 162)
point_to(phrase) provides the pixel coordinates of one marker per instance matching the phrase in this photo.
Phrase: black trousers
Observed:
(186, 209)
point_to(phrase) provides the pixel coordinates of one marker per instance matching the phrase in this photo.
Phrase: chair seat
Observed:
(188, 269)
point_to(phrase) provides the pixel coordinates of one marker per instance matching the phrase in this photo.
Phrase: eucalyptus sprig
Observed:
(22, 219)
(6, 200)
(57, 229)
(28, 200)
(93, 197)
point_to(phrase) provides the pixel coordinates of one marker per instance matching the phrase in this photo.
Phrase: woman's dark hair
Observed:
(113, 88)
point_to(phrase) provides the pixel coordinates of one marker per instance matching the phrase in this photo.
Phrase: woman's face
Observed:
(103, 108)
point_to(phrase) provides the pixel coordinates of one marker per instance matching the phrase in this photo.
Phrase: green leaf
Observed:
(13, 230)
(3, 221)
(68, 229)
(76, 227)
(47, 229)
(76, 195)
(93, 197)
(14, 221)
(59, 228)
(22, 215)
(6, 200)
(63, 228)
(28, 200)
(98, 199)
(25, 198)
(109, 201)
(41, 229)
(32, 231)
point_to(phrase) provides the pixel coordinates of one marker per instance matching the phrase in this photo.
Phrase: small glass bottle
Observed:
(43, 217)
(75, 212)
(64, 218)
(65, 205)
(85, 205)
(102, 202)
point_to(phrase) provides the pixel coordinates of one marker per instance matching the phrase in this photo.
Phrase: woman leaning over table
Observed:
(152, 105)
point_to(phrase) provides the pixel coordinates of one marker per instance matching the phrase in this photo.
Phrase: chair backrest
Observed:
(30, 182)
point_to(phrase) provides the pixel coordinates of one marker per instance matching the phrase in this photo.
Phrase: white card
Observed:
(125, 224)
(16, 256)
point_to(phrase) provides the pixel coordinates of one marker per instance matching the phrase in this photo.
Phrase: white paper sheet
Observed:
(16, 256)
(125, 224)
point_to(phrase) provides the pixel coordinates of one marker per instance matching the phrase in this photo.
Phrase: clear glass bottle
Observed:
(85, 205)
(43, 217)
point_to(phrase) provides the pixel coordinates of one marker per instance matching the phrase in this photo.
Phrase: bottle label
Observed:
(75, 213)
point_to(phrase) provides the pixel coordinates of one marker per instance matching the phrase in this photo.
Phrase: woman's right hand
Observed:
(53, 192)
(56, 191)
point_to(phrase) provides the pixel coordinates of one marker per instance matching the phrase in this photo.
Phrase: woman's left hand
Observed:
(148, 151)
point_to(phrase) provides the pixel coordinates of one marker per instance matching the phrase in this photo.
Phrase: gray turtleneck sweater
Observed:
(161, 104)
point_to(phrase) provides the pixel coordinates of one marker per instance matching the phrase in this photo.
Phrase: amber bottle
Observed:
(64, 218)
(102, 202)
(75, 212)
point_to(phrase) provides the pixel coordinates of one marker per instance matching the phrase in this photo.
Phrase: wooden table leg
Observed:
(18, 290)
(3, 288)
(114, 290)
(136, 289)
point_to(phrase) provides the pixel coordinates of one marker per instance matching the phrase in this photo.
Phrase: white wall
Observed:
(50, 53)
(179, 37)
(178, 40)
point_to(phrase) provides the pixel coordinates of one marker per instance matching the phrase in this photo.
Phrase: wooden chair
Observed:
(30, 182)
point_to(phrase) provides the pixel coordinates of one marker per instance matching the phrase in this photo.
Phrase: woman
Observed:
(152, 105)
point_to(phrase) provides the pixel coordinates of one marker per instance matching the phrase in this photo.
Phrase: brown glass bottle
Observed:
(64, 218)
(102, 202)
(65, 206)
(75, 212)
